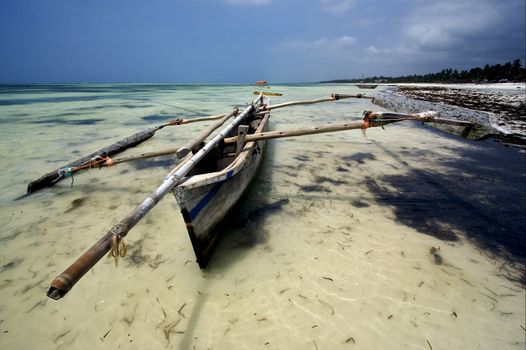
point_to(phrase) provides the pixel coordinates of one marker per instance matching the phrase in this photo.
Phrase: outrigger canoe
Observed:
(212, 177)
(263, 83)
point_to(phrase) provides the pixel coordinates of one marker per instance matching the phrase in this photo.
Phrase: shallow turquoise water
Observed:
(330, 249)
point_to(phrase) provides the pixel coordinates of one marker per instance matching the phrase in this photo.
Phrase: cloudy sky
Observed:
(248, 40)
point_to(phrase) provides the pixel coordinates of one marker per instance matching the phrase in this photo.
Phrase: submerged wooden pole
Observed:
(67, 279)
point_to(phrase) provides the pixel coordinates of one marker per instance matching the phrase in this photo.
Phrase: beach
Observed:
(406, 237)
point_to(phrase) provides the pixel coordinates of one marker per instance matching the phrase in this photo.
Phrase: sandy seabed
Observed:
(405, 238)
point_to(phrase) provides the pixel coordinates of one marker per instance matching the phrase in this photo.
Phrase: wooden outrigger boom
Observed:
(334, 97)
(370, 120)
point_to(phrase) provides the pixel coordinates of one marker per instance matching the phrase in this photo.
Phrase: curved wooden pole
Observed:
(334, 97)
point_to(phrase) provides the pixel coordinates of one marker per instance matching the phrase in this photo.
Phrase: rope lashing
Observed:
(65, 172)
(91, 163)
(368, 118)
(108, 161)
(177, 121)
(371, 119)
(99, 161)
(118, 248)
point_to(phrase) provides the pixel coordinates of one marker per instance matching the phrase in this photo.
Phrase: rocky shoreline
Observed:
(501, 110)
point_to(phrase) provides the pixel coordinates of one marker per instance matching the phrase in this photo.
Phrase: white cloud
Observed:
(248, 2)
(409, 37)
(337, 6)
(448, 23)
(372, 50)
(397, 52)
(322, 45)
(450, 33)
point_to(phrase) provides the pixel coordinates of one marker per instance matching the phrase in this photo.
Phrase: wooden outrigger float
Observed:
(208, 182)
(366, 86)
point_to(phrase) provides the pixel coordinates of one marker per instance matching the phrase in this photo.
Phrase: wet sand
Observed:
(408, 238)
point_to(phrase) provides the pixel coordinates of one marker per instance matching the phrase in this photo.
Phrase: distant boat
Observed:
(366, 86)
(263, 83)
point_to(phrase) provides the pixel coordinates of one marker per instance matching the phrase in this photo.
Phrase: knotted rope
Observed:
(368, 118)
(65, 172)
(118, 248)
(99, 161)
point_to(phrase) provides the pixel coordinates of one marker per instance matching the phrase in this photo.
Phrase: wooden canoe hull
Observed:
(206, 200)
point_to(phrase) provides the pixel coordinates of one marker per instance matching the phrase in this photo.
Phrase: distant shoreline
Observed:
(357, 81)
(507, 85)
